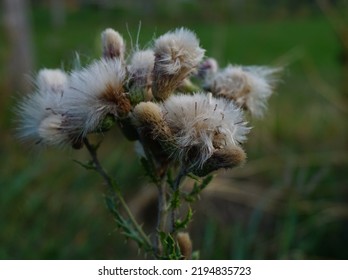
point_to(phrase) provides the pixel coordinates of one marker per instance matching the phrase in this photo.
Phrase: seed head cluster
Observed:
(179, 106)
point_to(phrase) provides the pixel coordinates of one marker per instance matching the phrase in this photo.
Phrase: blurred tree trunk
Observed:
(58, 12)
(19, 36)
(338, 19)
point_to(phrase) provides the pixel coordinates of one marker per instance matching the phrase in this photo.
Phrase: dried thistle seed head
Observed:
(207, 68)
(52, 80)
(249, 87)
(141, 63)
(113, 44)
(201, 125)
(140, 75)
(227, 157)
(176, 50)
(40, 120)
(177, 55)
(94, 93)
(41, 114)
(185, 244)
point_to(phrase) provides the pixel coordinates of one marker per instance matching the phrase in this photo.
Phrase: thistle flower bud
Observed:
(113, 44)
(140, 73)
(249, 87)
(148, 115)
(177, 55)
(227, 157)
(185, 244)
(96, 92)
(154, 133)
(202, 125)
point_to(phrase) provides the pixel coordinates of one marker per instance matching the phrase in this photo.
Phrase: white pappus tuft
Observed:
(140, 73)
(176, 50)
(141, 62)
(41, 115)
(177, 54)
(95, 92)
(250, 87)
(202, 124)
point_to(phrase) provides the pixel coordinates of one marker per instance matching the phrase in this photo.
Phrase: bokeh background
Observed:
(289, 201)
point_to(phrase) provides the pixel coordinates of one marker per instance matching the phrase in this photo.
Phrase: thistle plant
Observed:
(186, 116)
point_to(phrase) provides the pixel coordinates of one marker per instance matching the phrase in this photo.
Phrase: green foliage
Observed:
(124, 225)
(183, 224)
(149, 169)
(171, 250)
(198, 187)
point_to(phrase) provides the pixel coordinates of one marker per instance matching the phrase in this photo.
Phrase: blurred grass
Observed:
(288, 201)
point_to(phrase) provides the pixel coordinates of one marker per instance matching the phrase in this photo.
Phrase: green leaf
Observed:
(106, 124)
(175, 200)
(89, 165)
(126, 227)
(170, 247)
(183, 224)
(149, 169)
(198, 187)
(195, 255)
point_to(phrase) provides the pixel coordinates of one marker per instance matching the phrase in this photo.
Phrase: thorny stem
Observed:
(176, 185)
(162, 205)
(98, 167)
(162, 210)
(114, 191)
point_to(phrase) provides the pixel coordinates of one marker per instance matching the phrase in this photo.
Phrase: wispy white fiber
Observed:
(250, 87)
(177, 49)
(91, 92)
(40, 114)
(204, 123)
(141, 67)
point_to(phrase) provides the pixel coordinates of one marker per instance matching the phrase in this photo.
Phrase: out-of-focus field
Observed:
(288, 201)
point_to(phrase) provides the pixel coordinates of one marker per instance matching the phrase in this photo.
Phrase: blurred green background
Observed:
(289, 201)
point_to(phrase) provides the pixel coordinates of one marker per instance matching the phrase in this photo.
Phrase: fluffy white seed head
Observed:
(95, 92)
(207, 68)
(202, 124)
(177, 55)
(140, 74)
(41, 113)
(176, 50)
(113, 44)
(142, 63)
(249, 87)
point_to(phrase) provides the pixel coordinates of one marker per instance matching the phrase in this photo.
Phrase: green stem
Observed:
(175, 187)
(162, 206)
(115, 192)
(134, 222)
